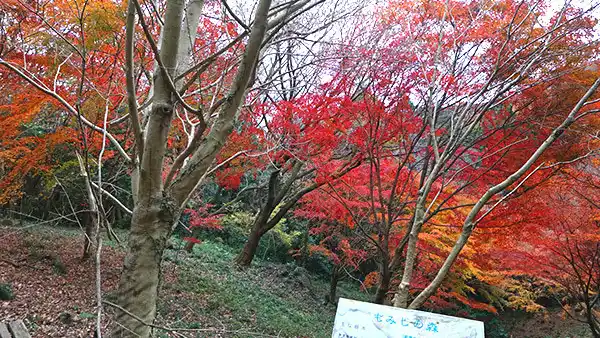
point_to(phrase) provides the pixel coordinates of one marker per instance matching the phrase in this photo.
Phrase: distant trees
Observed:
(68, 110)
(308, 136)
(454, 130)
(566, 250)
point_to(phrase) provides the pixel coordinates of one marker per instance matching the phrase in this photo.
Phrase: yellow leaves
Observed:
(100, 20)
(475, 271)
(103, 19)
(524, 304)
(436, 239)
(93, 108)
(532, 307)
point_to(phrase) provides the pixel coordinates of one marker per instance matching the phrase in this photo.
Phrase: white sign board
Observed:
(355, 319)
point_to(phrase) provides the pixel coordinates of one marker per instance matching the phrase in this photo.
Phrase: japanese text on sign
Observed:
(356, 319)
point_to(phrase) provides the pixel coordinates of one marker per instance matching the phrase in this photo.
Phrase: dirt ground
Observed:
(55, 293)
(54, 290)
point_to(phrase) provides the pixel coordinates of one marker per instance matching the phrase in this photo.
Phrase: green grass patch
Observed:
(87, 315)
(265, 298)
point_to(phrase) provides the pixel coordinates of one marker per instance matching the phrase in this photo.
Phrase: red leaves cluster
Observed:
(201, 218)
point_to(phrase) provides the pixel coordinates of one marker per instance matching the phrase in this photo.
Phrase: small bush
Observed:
(87, 315)
(236, 228)
(234, 231)
(277, 243)
(6, 292)
(58, 266)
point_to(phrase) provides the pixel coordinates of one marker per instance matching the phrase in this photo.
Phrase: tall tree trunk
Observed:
(245, 257)
(158, 205)
(383, 286)
(333, 282)
(403, 294)
(90, 240)
(138, 289)
(591, 320)
(155, 210)
(304, 251)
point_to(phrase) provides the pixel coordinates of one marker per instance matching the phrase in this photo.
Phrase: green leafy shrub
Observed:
(277, 243)
(6, 292)
(58, 266)
(87, 315)
(235, 228)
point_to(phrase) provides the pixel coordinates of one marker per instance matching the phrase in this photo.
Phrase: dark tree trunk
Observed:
(383, 286)
(118, 215)
(90, 240)
(305, 252)
(112, 216)
(260, 222)
(590, 318)
(245, 257)
(333, 282)
(49, 202)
